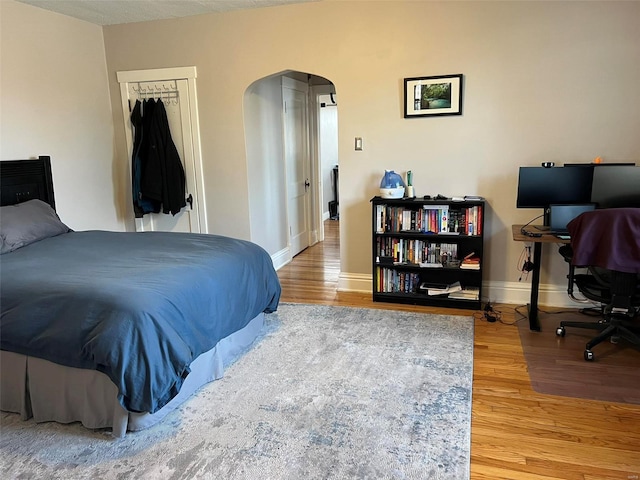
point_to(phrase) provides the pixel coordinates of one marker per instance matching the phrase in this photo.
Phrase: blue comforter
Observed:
(139, 307)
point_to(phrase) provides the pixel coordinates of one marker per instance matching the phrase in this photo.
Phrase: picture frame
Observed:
(433, 96)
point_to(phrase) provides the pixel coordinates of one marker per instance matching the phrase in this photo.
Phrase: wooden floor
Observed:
(516, 433)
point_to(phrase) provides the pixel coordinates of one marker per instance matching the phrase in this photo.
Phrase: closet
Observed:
(176, 89)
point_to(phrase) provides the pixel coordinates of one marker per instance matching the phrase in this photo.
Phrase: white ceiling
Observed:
(111, 12)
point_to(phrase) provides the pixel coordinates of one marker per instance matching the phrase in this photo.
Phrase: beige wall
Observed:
(54, 101)
(544, 81)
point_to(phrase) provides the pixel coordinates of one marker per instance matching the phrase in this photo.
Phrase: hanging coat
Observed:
(163, 177)
(141, 205)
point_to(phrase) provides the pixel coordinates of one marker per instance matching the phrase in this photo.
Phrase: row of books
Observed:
(404, 250)
(431, 218)
(439, 219)
(390, 280)
(467, 221)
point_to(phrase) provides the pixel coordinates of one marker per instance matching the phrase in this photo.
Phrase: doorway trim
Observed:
(166, 74)
(314, 98)
(288, 83)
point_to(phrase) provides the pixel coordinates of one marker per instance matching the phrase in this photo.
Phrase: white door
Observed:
(177, 97)
(296, 151)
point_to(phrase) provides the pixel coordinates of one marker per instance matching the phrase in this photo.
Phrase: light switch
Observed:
(358, 143)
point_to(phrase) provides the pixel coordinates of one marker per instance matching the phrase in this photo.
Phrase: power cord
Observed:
(492, 314)
(489, 314)
(525, 261)
(524, 231)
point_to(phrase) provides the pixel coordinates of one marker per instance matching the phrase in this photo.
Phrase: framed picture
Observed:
(433, 96)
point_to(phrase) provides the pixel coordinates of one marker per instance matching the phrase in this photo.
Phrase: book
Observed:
(441, 289)
(470, 266)
(470, 262)
(436, 218)
(467, 293)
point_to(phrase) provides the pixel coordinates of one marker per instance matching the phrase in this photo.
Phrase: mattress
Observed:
(137, 307)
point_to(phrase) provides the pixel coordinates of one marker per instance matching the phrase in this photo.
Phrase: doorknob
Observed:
(189, 200)
(306, 184)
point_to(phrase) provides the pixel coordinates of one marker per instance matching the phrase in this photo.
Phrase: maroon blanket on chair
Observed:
(607, 238)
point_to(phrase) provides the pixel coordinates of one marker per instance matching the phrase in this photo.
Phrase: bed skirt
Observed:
(46, 391)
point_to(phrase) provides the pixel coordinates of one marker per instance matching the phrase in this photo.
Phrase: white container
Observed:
(391, 185)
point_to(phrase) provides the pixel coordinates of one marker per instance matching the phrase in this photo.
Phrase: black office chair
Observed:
(604, 242)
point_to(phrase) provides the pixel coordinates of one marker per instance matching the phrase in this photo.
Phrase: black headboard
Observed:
(24, 180)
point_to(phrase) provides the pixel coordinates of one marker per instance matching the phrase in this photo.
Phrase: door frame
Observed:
(167, 74)
(315, 92)
(291, 83)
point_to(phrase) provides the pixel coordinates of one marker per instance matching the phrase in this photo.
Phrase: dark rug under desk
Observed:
(557, 367)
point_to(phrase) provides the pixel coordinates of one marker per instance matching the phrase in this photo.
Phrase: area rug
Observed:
(556, 365)
(327, 392)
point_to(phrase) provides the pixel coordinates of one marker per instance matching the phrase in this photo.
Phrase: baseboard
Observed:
(281, 258)
(313, 237)
(519, 293)
(355, 282)
(515, 293)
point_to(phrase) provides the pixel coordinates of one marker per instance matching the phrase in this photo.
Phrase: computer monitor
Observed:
(616, 186)
(539, 187)
(561, 215)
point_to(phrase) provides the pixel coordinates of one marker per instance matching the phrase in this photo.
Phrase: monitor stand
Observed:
(545, 221)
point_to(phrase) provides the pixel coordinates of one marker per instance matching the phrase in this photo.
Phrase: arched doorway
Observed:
(268, 171)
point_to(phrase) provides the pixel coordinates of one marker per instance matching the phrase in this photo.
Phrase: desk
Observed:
(518, 236)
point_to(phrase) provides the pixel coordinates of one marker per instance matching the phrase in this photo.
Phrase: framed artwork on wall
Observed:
(433, 96)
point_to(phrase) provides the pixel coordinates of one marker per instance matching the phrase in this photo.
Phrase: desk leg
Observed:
(535, 285)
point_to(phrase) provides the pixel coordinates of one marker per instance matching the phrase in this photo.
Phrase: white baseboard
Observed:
(519, 293)
(281, 258)
(515, 293)
(355, 282)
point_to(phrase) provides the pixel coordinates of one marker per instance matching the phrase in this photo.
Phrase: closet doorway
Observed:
(175, 88)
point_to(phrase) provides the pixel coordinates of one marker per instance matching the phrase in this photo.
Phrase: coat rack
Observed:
(167, 92)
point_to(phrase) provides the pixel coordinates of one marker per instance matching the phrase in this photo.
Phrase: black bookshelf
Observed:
(419, 248)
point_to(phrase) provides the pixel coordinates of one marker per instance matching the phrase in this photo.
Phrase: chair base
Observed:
(614, 326)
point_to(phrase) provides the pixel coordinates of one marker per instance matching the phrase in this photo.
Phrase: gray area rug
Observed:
(327, 392)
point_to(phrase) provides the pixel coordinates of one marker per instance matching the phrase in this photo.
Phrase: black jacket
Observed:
(162, 177)
(141, 205)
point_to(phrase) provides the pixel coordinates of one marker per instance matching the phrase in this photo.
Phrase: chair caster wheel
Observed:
(560, 331)
(588, 355)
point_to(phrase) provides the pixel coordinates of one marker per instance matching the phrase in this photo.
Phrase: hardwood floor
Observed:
(516, 433)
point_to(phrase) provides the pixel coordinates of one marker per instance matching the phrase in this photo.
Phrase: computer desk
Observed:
(518, 236)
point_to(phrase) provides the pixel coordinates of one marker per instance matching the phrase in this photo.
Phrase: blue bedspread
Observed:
(139, 307)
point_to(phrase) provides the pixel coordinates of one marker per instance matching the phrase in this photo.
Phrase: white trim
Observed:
(157, 74)
(355, 282)
(515, 293)
(281, 258)
(197, 154)
(519, 293)
(164, 74)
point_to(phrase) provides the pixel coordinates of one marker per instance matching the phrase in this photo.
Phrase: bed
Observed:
(116, 329)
